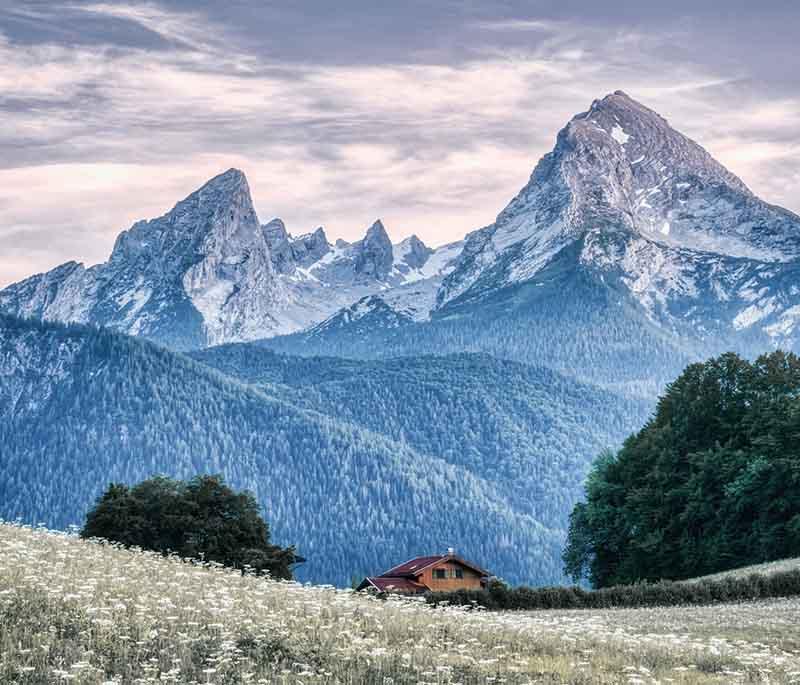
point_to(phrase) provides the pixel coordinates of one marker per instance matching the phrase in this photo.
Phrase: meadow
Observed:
(769, 568)
(73, 611)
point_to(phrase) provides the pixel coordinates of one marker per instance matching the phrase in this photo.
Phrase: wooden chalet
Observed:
(436, 573)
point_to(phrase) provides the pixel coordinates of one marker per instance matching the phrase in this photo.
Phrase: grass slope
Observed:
(84, 613)
(769, 568)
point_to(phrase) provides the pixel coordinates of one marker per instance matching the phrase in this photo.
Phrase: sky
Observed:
(429, 115)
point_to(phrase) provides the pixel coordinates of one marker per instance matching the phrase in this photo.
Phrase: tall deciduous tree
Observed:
(711, 482)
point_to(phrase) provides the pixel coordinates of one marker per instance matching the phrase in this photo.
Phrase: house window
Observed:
(459, 573)
(440, 573)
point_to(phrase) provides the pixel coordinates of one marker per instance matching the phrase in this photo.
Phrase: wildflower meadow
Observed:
(82, 612)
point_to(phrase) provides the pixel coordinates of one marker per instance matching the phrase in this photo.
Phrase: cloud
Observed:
(187, 29)
(516, 25)
(100, 134)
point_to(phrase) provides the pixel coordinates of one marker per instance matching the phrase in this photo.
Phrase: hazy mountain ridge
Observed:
(334, 463)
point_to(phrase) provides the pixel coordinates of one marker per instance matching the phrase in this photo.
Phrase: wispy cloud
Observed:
(186, 28)
(516, 25)
(101, 134)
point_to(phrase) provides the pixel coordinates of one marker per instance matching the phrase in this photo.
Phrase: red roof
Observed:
(413, 567)
(388, 584)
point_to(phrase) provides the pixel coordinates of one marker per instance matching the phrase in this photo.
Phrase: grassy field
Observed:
(77, 612)
(767, 569)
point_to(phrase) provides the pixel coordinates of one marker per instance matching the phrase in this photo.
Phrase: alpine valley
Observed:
(360, 388)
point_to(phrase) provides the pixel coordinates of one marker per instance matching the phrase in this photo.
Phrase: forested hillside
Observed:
(80, 407)
(712, 482)
(530, 430)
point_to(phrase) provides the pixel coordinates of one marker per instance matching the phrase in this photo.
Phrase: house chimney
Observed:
(451, 552)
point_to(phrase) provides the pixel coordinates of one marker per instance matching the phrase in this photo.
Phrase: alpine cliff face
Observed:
(648, 208)
(207, 273)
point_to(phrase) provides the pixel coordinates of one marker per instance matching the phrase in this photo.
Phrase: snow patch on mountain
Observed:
(754, 313)
(786, 323)
(618, 134)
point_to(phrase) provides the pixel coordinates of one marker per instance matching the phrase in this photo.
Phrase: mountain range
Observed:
(626, 223)
(207, 273)
(629, 253)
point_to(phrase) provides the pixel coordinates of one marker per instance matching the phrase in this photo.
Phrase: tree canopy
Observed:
(712, 481)
(201, 519)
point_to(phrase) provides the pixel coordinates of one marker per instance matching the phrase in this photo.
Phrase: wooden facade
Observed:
(451, 574)
(435, 573)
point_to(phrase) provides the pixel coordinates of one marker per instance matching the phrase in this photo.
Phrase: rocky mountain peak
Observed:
(276, 229)
(318, 236)
(232, 180)
(311, 247)
(618, 175)
(280, 248)
(374, 256)
(288, 252)
(644, 140)
(220, 211)
(412, 252)
(376, 233)
(623, 106)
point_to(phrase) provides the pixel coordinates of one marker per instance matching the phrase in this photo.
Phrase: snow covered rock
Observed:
(650, 209)
(207, 272)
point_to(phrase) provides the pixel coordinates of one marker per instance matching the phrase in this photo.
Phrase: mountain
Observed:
(648, 207)
(629, 253)
(198, 273)
(207, 272)
(358, 465)
(527, 429)
(629, 245)
(322, 278)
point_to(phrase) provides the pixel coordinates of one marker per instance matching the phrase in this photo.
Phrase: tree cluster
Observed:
(712, 481)
(199, 519)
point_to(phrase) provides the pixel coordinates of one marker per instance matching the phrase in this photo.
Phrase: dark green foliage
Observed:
(200, 519)
(500, 597)
(712, 482)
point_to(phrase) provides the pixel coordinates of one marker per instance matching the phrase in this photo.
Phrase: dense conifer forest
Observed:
(526, 427)
(82, 407)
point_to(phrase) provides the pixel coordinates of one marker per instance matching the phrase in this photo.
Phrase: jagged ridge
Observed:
(207, 272)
